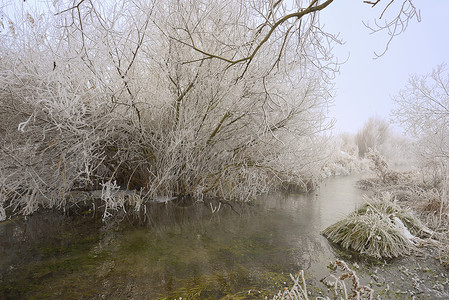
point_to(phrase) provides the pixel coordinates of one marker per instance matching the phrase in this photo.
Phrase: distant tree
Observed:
(373, 134)
(348, 144)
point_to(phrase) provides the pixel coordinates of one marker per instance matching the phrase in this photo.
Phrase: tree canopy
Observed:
(201, 98)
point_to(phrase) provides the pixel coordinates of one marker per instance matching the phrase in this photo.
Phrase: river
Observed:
(202, 250)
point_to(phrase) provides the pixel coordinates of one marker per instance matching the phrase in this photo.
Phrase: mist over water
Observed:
(238, 248)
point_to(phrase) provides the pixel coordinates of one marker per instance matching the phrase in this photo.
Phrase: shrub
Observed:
(147, 96)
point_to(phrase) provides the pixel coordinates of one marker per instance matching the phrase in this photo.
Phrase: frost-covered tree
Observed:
(373, 134)
(203, 98)
(423, 110)
(169, 98)
(376, 134)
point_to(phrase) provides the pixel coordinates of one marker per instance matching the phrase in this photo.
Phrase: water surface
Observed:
(190, 251)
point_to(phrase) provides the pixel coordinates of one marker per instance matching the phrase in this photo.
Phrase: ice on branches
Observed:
(205, 100)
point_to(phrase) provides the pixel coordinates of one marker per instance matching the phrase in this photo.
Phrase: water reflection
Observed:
(179, 249)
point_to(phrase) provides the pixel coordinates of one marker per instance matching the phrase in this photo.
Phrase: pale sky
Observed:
(365, 85)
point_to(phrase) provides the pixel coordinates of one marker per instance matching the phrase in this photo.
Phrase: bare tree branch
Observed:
(397, 25)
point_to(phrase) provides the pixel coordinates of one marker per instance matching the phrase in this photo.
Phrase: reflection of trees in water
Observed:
(297, 225)
(27, 240)
(186, 211)
(32, 229)
(20, 237)
(187, 241)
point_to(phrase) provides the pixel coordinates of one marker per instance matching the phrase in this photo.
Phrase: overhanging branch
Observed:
(312, 8)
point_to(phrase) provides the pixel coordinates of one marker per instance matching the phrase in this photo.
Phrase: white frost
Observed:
(22, 125)
(404, 229)
(2, 214)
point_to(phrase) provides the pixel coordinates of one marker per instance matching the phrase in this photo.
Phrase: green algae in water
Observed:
(239, 284)
(212, 256)
(60, 253)
(38, 279)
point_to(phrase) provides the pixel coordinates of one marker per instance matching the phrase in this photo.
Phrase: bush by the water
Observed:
(133, 95)
(380, 228)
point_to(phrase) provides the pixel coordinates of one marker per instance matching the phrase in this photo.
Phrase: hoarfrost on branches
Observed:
(207, 99)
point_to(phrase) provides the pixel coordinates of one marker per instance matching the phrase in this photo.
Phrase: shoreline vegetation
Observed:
(337, 284)
(109, 107)
(160, 97)
(404, 213)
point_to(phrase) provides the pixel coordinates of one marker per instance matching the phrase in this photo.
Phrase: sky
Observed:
(365, 86)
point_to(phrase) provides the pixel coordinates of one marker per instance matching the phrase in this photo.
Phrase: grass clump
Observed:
(380, 229)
